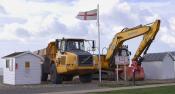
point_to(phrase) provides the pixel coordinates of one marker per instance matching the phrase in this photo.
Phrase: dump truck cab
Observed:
(75, 47)
(70, 59)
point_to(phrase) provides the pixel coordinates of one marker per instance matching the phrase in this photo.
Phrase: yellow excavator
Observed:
(148, 31)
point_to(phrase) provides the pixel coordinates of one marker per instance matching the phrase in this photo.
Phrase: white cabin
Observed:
(22, 68)
(159, 65)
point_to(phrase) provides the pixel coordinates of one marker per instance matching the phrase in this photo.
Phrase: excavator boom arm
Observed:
(147, 40)
(149, 33)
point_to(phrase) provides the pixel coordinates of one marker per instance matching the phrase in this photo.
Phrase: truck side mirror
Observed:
(62, 51)
(93, 45)
(62, 47)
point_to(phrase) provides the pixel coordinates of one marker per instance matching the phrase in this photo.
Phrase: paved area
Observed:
(46, 87)
(75, 87)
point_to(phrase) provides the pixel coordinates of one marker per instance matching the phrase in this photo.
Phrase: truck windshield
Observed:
(75, 45)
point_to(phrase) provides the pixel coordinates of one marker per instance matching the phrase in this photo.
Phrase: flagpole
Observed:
(99, 60)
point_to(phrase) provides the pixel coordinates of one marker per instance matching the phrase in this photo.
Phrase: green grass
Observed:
(155, 90)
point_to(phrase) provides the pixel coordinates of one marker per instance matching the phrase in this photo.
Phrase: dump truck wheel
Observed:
(68, 77)
(55, 77)
(85, 78)
(44, 77)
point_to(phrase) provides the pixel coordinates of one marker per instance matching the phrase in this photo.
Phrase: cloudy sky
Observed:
(28, 25)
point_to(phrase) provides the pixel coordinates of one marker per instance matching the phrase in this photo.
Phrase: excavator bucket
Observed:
(139, 73)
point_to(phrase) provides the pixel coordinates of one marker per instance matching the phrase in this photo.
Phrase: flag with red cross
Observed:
(87, 15)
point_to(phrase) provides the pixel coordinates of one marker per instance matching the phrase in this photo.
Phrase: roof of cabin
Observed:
(158, 56)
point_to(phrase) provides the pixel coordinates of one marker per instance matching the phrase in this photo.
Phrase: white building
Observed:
(159, 65)
(22, 68)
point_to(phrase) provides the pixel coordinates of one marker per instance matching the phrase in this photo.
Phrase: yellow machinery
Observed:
(148, 31)
(66, 58)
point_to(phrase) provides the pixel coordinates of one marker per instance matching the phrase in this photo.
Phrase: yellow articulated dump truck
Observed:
(66, 58)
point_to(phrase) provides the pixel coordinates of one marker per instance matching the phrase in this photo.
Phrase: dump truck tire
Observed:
(55, 77)
(44, 77)
(87, 78)
(68, 78)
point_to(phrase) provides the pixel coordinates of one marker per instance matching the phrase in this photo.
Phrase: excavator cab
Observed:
(123, 55)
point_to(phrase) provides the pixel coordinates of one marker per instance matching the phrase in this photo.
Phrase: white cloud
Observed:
(2, 10)
(124, 7)
(168, 39)
(23, 8)
(172, 23)
(45, 20)
(167, 35)
(8, 33)
(43, 17)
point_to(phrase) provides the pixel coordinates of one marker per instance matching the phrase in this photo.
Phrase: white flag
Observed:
(87, 15)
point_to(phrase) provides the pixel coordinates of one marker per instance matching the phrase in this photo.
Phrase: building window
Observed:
(7, 63)
(11, 65)
(27, 64)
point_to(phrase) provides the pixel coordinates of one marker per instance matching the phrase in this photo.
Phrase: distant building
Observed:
(22, 68)
(41, 52)
(159, 65)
